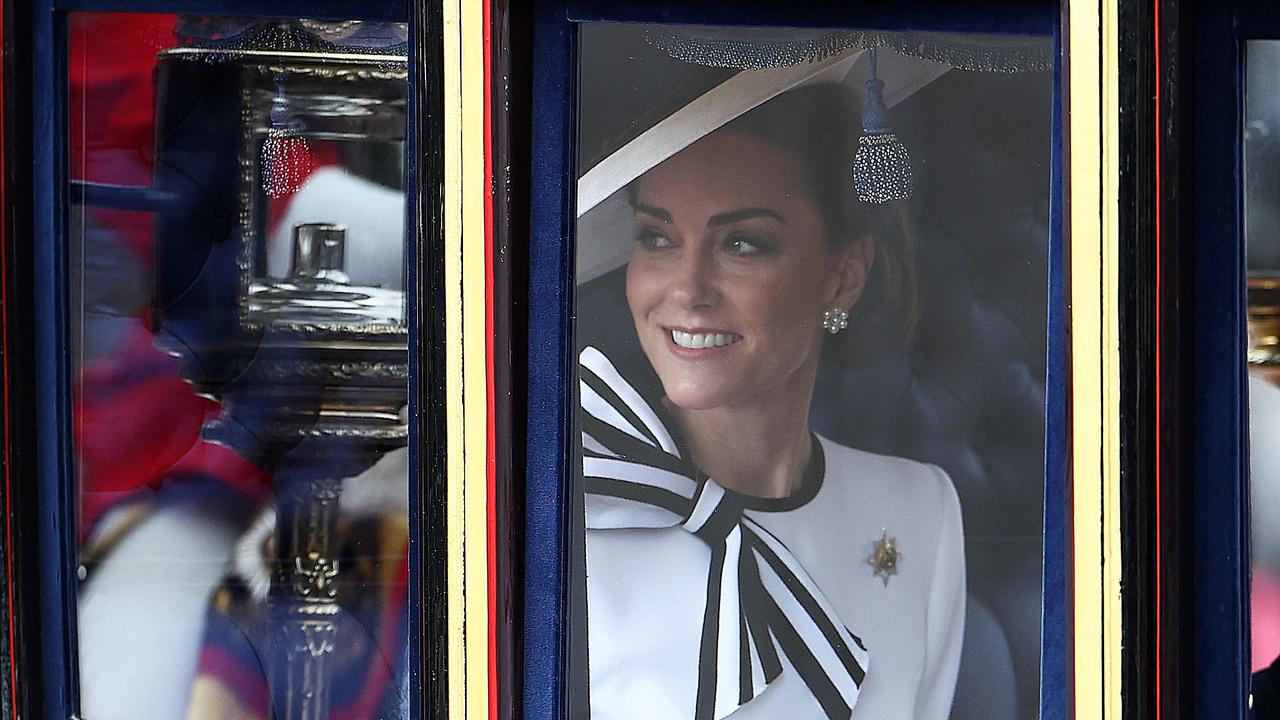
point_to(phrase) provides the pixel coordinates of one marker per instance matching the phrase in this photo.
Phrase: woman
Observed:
(737, 563)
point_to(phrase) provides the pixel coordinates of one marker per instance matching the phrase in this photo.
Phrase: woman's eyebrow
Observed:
(658, 213)
(743, 214)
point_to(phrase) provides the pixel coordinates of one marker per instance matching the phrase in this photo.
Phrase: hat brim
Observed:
(605, 218)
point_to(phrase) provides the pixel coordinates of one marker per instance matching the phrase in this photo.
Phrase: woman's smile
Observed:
(730, 275)
(701, 339)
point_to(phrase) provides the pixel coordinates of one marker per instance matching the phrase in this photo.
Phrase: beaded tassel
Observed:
(882, 166)
(286, 157)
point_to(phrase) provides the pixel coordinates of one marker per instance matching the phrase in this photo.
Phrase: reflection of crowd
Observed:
(1264, 523)
(1262, 220)
(170, 525)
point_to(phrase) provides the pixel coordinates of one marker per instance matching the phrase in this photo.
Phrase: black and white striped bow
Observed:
(760, 601)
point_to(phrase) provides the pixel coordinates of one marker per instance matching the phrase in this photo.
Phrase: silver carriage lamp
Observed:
(279, 190)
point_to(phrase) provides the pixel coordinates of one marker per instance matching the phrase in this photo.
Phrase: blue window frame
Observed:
(1211, 509)
(553, 514)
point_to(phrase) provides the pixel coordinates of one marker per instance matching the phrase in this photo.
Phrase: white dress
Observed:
(647, 590)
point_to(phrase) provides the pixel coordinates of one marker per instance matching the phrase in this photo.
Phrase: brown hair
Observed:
(820, 125)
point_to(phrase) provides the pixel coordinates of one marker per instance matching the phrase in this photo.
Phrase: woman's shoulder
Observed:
(899, 481)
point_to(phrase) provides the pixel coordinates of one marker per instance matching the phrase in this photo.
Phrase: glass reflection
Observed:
(1262, 243)
(237, 236)
(780, 321)
(367, 179)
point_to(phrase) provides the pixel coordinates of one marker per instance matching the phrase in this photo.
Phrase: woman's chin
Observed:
(695, 396)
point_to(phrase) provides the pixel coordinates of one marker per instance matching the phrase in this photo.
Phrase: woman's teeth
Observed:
(697, 341)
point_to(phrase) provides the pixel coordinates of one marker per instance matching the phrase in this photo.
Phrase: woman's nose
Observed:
(693, 282)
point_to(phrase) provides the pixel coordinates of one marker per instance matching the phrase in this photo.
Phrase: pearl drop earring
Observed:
(835, 320)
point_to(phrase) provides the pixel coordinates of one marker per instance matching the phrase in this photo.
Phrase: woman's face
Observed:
(731, 273)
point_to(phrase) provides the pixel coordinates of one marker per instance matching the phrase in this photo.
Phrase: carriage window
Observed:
(1262, 245)
(237, 235)
(811, 298)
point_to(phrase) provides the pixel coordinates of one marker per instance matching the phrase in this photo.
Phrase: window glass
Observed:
(1262, 245)
(237, 240)
(812, 276)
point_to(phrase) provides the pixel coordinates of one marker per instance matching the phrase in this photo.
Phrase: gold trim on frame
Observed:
(1093, 108)
(466, 359)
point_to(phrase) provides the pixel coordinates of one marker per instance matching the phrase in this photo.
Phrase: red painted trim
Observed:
(491, 535)
(1159, 579)
(8, 444)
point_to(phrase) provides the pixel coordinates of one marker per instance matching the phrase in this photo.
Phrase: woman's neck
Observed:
(759, 449)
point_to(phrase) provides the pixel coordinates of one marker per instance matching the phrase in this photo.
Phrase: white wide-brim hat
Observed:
(605, 218)
(786, 59)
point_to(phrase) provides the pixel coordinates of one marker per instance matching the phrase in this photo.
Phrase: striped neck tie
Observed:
(761, 604)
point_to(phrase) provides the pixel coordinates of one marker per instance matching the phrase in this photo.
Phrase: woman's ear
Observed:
(853, 269)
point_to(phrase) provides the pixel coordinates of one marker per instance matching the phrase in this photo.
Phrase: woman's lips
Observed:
(700, 343)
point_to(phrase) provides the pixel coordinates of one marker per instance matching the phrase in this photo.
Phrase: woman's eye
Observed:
(747, 245)
(652, 240)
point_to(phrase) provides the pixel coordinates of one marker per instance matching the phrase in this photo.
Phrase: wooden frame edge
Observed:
(1093, 236)
(466, 319)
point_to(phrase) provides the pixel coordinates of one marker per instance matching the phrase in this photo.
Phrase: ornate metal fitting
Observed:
(309, 344)
(326, 491)
(314, 577)
(313, 638)
(1264, 323)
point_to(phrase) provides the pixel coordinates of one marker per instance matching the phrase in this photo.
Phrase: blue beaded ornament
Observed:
(882, 166)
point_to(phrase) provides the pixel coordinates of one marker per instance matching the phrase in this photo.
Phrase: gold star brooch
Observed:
(886, 557)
